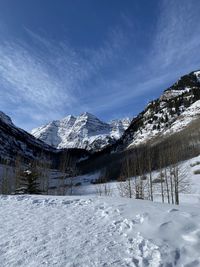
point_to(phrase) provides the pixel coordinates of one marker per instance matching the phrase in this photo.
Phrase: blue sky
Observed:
(107, 57)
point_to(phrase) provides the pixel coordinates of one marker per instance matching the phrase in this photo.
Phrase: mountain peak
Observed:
(84, 131)
(87, 115)
(67, 119)
(184, 85)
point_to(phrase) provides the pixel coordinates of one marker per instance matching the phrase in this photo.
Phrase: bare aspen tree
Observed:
(166, 160)
(176, 184)
(149, 160)
(181, 183)
(167, 185)
(103, 189)
(175, 173)
(136, 181)
(64, 168)
(161, 177)
(128, 169)
(171, 184)
(5, 180)
(43, 167)
(69, 171)
(73, 174)
(99, 190)
(107, 189)
(17, 171)
(126, 185)
(178, 178)
(140, 167)
(175, 181)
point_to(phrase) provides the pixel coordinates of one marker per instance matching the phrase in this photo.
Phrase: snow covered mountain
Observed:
(16, 142)
(85, 131)
(176, 108)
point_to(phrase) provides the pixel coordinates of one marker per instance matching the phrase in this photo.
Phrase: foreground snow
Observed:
(72, 231)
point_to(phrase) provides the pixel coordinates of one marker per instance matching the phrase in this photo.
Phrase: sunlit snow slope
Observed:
(175, 109)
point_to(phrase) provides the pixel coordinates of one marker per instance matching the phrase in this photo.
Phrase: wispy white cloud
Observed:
(173, 51)
(177, 39)
(47, 79)
(28, 79)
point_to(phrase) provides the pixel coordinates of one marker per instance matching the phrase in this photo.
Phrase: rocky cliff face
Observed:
(85, 131)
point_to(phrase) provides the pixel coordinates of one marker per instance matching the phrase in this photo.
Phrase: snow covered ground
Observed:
(189, 169)
(86, 230)
(97, 231)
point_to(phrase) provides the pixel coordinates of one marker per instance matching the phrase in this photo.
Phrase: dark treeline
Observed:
(161, 151)
(54, 159)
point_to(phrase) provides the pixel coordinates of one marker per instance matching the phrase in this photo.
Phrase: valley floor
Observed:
(97, 231)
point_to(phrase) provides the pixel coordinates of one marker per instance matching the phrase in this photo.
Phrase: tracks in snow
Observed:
(70, 232)
(96, 232)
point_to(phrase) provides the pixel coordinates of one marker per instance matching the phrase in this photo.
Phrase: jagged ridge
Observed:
(85, 131)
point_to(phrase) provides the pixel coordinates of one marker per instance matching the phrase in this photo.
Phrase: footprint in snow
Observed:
(165, 225)
(37, 201)
(173, 210)
(74, 201)
(123, 225)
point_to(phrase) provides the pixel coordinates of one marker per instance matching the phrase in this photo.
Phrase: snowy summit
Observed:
(85, 131)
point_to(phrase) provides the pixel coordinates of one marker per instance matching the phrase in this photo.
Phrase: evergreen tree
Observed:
(29, 181)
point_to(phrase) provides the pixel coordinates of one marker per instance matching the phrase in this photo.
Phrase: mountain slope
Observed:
(85, 131)
(176, 108)
(17, 142)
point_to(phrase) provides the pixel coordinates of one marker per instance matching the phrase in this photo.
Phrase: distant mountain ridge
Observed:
(17, 143)
(85, 131)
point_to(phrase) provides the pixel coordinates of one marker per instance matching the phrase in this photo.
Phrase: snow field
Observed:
(70, 231)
